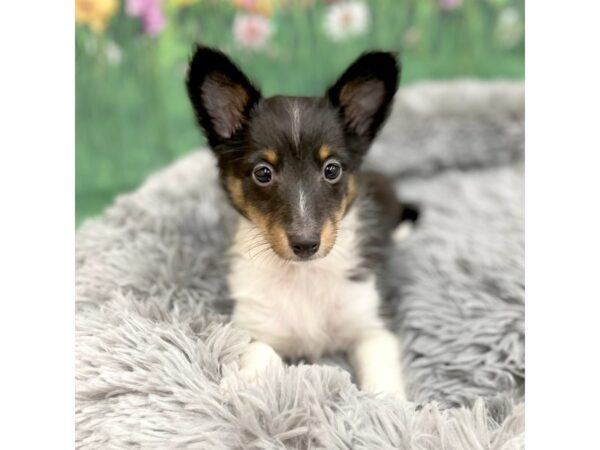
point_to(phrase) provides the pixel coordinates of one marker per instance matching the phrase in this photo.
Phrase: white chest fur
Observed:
(302, 308)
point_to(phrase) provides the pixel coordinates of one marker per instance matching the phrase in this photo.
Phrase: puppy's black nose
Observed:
(304, 247)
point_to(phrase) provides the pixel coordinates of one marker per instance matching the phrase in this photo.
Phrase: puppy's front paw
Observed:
(255, 361)
(385, 387)
(236, 380)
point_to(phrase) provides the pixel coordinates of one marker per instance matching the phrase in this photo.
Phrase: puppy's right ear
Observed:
(220, 93)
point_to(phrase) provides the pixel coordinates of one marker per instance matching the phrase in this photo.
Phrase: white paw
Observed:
(237, 380)
(255, 362)
(403, 231)
(394, 389)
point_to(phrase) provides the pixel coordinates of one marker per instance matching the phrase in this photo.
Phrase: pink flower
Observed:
(134, 8)
(153, 20)
(150, 12)
(449, 5)
(252, 30)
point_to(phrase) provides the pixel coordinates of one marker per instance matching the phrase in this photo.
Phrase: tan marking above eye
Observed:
(324, 152)
(271, 156)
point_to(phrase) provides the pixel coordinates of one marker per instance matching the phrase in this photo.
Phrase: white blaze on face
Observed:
(295, 113)
(302, 203)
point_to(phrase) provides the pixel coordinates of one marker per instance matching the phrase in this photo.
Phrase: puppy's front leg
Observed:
(376, 358)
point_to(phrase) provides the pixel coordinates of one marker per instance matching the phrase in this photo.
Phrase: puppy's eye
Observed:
(262, 174)
(332, 171)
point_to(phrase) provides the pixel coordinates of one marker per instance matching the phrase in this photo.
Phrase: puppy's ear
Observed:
(365, 91)
(221, 94)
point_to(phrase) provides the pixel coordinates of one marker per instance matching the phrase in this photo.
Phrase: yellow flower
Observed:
(264, 7)
(182, 3)
(95, 13)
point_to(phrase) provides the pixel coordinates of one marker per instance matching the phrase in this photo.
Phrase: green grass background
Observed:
(133, 117)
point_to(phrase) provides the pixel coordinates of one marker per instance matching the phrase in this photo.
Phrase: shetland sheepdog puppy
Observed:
(314, 231)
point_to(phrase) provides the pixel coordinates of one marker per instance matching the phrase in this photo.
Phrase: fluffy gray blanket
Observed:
(153, 342)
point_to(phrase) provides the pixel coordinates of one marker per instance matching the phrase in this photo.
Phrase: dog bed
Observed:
(153, 340)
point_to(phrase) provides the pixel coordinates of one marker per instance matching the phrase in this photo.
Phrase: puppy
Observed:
(313, 230)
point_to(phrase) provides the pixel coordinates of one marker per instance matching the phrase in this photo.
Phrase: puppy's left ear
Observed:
(365, 91)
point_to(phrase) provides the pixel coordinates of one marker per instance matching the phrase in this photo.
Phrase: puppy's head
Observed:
(288, 163)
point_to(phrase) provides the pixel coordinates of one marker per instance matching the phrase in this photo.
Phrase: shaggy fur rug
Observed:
(153, 341)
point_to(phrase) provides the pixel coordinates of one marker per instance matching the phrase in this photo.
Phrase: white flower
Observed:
(412, 37)
(113, 53)
(346, 19)
(509, 28)
(252, 30)
(91, 44)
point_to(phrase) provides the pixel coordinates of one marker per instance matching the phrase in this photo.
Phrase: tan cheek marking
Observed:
(329, 230)
(271, 156)
(328, 235)
(260, 219)
(352, 188)
(279, 241)
(324, 152)
(234, 186)
(351, 192)
(274, 232)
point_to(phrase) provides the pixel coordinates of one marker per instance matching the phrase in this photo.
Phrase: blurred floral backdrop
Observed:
(132, 112)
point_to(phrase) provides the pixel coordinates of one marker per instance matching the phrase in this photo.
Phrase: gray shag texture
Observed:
(153, 341)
